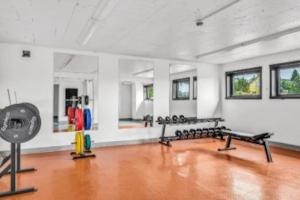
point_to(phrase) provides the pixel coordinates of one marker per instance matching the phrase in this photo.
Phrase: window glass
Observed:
(148, 89)
(246, 84)
(181, 89)
(289, 81)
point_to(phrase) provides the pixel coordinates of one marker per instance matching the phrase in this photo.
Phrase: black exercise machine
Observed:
(260, 139)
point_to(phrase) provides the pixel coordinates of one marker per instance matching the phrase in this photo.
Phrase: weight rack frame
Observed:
(18, 164)
(18, 146)
(85, 154)
(166, 140)
(13, 171)
(15, 166)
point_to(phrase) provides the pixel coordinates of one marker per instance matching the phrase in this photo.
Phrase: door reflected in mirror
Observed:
(135, 94)
(75, 92)
(183, 90)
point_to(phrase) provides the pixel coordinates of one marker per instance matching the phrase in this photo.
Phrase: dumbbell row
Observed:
(199, 133)
(181, 119)
(172, 120)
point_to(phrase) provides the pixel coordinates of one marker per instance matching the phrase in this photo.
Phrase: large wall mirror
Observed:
(75, 92)
(135, 94)
(183, 90)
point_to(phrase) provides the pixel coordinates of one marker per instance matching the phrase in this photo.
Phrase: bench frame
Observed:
(255, 139)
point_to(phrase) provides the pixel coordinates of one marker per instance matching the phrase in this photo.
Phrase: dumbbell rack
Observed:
(166, 140)
(86, 153)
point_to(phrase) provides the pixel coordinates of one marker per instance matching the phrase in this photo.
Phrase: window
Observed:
(181, 89)
(244, 84)
(194, 87)
(285, 80)
(148, 92)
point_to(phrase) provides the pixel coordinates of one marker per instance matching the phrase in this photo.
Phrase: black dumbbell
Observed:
(205, 132)
(199, 133)
(167, 119)
(178, 133)
(218, 132)
(211, 132)
(192, 134)
(160, 120)
(218, 128)
(182, 119)
(185, 134)
(174, 119)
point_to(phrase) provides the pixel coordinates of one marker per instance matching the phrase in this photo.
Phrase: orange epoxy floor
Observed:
(188, 170)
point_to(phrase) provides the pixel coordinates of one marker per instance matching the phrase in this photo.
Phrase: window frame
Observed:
(195, 95)
(146, 93)
(229, 88)
(276, 69)
(176, 81)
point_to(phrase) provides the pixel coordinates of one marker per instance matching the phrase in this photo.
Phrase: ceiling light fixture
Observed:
(103, 9)
(269, 37)
(199, 21)
(142, 72)
(68, 61)
(126, 83)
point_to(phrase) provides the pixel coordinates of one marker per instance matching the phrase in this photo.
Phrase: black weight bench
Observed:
(259, 139)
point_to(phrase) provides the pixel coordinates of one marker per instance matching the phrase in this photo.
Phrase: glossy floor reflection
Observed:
(188, 170)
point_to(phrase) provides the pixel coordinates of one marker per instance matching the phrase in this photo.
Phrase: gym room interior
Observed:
(149, 99)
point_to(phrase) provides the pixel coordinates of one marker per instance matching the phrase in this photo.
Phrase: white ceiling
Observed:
(180, 68)
(69, 63)
(155, 28)
(135, 70)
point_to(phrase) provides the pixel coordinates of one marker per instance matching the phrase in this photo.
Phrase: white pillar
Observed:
(108, 93)
(208, 100)
(161, 88)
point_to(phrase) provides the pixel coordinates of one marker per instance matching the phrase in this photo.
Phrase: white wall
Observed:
(266, 115)
(132, 103)
(209, 93)
(125, 95)
(139, 106)
(161, 88)
(187, 108)
(32, 79)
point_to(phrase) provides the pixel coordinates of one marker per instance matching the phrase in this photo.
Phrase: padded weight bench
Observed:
(259, 139)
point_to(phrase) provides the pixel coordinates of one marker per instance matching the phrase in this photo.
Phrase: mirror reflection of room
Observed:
(183, 90)
(75, 92)
(135, 94)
